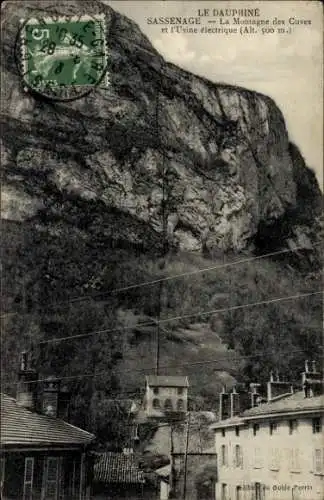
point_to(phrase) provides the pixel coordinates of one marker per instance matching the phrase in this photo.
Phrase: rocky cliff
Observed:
(218, 154)
(160, 161)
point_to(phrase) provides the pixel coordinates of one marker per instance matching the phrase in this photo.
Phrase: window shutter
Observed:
(2, 472)
(51, 478)
(61, 484)
(318, 460)
(28, 478)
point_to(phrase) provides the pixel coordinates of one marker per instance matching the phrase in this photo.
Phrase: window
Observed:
(256, 429)
(224, 491)
(156, 403)
(51, 478)
(319, 461)
(156, 390)
(238, 495)
(258, 461)
(273, 427)
(168, 404)
(224, 455)
(317, 425)
(274, 462)
(223, 433)
(294, 459)
(237, 431)
(180, 405)
(293, 425)
(238, 458)
(180, 391)
(28, 479)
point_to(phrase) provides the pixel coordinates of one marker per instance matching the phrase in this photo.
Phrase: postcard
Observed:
(162, 232)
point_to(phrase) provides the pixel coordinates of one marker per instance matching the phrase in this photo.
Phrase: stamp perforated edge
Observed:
(62, 19)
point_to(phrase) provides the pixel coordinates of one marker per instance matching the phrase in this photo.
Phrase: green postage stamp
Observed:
(64, 52)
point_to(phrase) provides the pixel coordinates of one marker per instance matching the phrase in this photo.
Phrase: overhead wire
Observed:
(166, 366)
(178, 318)
(164, 279)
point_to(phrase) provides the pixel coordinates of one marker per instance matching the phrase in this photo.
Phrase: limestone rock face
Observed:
(161, 153)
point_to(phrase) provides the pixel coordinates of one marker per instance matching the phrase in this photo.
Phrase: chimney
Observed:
(50, 397)
(312, 381)
(235, 402)
(306, 389)
(277, 389)
(63, 407)
(224, 405)
(27, 383)
(255, 394)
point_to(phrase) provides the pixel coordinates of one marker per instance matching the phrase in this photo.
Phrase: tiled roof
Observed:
(167, 381)
(21, 426)
(117, 468)
(228, 422)
(292, 403)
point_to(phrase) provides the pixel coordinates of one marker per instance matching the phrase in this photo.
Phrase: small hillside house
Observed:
(166, 394)
(42, 456)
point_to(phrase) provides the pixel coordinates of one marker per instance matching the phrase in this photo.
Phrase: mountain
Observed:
(159, 174)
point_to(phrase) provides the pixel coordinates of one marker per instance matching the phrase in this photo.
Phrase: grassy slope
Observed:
(65, 264)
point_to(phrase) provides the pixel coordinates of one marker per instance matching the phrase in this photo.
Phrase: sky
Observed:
(286, 67)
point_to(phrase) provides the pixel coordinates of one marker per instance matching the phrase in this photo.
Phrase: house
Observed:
(193, 465)
(117, 476)
(273, 450)
(165, 394)
(42, 456)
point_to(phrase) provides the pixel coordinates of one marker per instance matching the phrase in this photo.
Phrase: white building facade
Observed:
(275, 450)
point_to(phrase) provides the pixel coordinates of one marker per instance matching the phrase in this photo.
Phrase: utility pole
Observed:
(172, 474)
(164, 229)
(186, 460)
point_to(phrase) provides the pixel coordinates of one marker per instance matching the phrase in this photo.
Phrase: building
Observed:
(165, 394)
(190, 448)
(118, 476)
(275, 449)
(42, 456)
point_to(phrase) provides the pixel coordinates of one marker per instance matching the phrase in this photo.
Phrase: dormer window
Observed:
(317, 425)
(293, 425)
(256, 429)
(273, 428)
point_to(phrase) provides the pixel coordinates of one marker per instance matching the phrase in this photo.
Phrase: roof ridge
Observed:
(76, 427)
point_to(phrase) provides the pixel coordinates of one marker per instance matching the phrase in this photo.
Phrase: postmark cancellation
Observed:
(64, 57)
